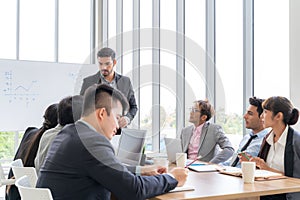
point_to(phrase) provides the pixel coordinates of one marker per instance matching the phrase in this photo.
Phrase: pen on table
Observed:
(244, 155)
(197, 164)
(193, 161)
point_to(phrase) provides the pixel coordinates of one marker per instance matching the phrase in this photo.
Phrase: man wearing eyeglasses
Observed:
(106, 74)
(204, 139)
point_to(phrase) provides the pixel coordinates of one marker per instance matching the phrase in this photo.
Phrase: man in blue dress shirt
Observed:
(251, 142)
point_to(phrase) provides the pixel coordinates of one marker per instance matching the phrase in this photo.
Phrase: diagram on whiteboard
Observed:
(27, 88)
(19, 90)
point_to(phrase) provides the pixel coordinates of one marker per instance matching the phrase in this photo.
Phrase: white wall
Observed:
(295, 55)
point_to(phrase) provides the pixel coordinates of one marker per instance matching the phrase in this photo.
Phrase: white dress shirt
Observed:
(275, 158)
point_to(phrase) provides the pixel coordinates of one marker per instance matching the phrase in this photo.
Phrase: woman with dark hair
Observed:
(28, 147)
(280, 150)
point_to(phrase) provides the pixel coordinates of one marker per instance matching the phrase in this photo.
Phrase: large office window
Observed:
(127, 38)
(8, 14)
(271, 48)
(229, 58)
(37, 27)
(194, 53)
(28, 30)
(229, 68)
(112, 21)
(42, 31)
(168, 68)
(74, 31)
(62, 33)
(146, 80)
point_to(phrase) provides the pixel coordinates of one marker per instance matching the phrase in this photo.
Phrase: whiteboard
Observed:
(27, 88)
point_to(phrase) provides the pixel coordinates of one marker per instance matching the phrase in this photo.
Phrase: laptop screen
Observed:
(131, 146)
(173, 146)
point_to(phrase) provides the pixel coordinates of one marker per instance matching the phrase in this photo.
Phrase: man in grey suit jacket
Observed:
(106, 74)
(81, 164)
(203, 139)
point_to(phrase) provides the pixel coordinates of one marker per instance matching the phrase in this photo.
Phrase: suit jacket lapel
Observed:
(97, 78)
(189, 136)
(203, 134)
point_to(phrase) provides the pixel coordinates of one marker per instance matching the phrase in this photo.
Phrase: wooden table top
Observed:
(213, 185)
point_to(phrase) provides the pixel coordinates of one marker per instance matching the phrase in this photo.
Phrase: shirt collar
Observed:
(281, 140)
(87, 124)
(199, 128)
(107, 82)
(261, 133)
(58, 126)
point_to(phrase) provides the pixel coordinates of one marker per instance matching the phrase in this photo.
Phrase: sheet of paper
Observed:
(183, 188)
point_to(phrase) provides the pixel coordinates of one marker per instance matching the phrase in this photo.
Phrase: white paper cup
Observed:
(181, 159)
(163, 162)
(248, 171)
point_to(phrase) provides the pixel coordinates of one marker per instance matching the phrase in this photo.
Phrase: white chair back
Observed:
(2, 176)
(30, 193)
(17, 163)
(28, 171)
(3, 180)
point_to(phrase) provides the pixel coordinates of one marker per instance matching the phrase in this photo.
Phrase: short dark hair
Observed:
(257, 102)
(278, 104)
(69, 109)
(102, 96)
(206, 108)
(106, 52)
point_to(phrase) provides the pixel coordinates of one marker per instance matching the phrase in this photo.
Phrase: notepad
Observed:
(260, 174)
(183, 188)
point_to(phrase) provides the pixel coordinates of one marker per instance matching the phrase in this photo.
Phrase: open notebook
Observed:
(259, 173)
(203, 168)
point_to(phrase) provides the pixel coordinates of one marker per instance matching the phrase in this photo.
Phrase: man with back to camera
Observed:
(203, 139)
(81, 163)
(106, 74)
(251, 142)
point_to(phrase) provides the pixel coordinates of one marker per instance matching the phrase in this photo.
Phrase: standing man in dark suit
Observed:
(106, 74)
(81, 164)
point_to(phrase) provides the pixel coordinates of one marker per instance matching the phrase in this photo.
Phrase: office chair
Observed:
(17, 163)
(28, 171)
(3, 180)
(28, 192)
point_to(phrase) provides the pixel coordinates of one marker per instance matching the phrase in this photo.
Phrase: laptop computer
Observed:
(173, 146)
(131, 146)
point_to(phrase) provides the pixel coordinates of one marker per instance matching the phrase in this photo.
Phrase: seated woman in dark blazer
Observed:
(280, 150)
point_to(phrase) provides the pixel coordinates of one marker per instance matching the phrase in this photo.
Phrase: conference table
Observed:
(213, 185)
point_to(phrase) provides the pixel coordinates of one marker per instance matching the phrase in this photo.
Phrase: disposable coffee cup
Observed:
(248, 171)
(181, 159)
